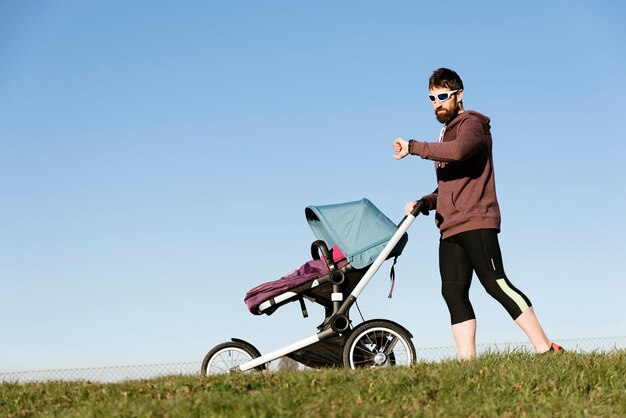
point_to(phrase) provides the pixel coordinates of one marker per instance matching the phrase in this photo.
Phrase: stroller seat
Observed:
(311, 281)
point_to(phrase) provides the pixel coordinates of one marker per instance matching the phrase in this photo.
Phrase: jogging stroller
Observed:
(354, 240)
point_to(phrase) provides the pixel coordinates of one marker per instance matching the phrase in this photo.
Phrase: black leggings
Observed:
(479, 251)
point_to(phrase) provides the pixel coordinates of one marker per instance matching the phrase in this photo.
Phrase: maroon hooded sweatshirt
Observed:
(465, 198)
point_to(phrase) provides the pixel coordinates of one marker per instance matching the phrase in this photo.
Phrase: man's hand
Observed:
(401, 148)
(408, 208)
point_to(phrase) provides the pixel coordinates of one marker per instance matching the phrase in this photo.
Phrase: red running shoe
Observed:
(555, 348)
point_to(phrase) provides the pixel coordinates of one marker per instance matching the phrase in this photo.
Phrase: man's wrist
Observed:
(410, 145)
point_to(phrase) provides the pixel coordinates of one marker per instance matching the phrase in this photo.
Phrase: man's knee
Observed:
(511, 298)
(456, 296)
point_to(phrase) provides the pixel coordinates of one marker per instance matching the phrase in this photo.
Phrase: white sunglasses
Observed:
(442, 96)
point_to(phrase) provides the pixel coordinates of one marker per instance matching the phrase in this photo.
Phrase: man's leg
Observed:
(456, 277)
(529, 323)
(465, 339)
(484, 252)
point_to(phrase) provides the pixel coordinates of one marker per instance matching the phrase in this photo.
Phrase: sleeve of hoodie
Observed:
(431, 199)
(470, 140)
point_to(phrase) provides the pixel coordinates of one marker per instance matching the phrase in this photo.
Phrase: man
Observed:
(468, 215)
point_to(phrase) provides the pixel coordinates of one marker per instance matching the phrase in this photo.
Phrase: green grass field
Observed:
(499, 385)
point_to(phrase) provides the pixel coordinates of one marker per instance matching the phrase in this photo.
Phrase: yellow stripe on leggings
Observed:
(519, 301)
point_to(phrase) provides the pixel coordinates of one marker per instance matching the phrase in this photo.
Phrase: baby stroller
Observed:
(354, 240)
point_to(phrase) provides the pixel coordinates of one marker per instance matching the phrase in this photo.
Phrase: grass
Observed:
(515, 384)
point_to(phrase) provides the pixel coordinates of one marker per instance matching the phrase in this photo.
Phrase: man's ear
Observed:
(459, 95)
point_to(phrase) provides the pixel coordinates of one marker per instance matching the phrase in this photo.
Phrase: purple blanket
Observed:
(306, 273)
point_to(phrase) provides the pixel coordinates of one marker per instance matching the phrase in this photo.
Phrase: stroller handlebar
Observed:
(418, 208)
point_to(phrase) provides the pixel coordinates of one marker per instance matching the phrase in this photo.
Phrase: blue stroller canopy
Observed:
(358, 228)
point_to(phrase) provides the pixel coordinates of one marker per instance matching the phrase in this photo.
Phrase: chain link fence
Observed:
(103, 374)
(579, 345)
(151, 371)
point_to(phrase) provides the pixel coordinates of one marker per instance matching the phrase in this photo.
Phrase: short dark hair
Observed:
(445, 77)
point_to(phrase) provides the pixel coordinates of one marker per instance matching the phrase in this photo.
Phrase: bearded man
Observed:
(468, 215)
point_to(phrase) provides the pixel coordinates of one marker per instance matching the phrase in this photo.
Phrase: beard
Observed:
(445, 116)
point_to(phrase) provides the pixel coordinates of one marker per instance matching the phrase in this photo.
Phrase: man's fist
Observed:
(401, 148)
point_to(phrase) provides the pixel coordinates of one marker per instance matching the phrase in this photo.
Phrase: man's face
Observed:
(447, 109)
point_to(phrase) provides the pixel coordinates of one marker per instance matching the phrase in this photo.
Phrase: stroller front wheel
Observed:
(378, 343)
(223, 358)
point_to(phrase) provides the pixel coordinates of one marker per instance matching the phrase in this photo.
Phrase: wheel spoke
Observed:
(372, 343)
(363, 362)
(214, 366)
(364, 349)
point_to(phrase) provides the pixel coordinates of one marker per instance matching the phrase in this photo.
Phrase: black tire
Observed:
(224, 357)
(378, 343)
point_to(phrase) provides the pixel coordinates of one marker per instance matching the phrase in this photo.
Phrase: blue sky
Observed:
(157, 158)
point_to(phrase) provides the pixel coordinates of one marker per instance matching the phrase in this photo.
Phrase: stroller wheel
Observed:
(378, 343)
(224, 357)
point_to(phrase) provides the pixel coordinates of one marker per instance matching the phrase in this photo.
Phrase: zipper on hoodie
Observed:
(441, 134)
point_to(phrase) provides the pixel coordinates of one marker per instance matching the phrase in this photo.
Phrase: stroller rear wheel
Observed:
(224, 357)
(378, 343)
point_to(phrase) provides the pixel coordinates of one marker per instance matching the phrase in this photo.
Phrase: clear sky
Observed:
(156, 159)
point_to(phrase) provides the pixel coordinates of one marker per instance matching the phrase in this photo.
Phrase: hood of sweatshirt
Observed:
(467, 114)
